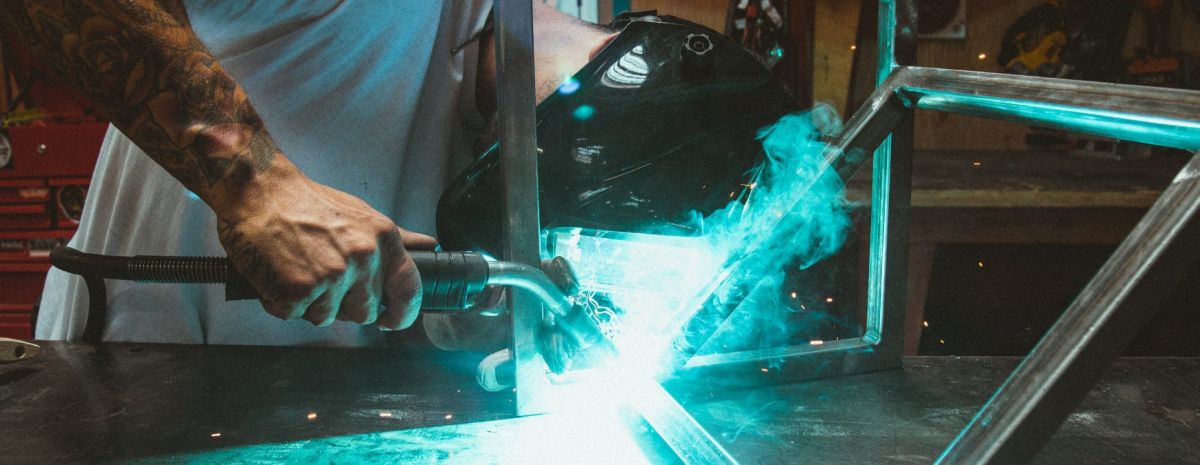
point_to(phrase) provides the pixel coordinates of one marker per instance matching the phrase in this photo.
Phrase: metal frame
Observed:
(1154, 116)
(1057, 374)
(1052, 380)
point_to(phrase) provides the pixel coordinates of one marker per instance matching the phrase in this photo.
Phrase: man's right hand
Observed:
(317, 253)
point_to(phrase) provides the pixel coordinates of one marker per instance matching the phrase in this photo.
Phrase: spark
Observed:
(941, 341)
(816, 342)
(312, 415)
(449, 416)
(829, 300)
(385, 414)
(215, 435)
(764, 369)
(853, 47)
(982, 56)
(793, 294)
(980, 263)
(976, 163)
(925, 324)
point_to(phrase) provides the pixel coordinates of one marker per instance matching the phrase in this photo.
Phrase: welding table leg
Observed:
(1054, 378)
(920, 270)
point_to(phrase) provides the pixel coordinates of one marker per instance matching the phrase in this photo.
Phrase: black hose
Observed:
(449, 279)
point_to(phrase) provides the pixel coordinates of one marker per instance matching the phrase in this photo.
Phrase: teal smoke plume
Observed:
(792, 213)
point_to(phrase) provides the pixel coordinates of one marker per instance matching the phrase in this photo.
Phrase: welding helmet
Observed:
(658, 128)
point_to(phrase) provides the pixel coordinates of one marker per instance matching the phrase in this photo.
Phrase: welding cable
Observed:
(450, 281)
(495, 372)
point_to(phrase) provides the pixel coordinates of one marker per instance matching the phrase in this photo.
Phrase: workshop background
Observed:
(1009, 221)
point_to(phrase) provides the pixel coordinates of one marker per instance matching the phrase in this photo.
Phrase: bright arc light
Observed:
(569, 86)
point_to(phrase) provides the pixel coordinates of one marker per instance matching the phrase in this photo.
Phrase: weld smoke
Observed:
(794, 193)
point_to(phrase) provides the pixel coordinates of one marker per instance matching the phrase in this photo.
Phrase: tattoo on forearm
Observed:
(143, 67)
(248, 258)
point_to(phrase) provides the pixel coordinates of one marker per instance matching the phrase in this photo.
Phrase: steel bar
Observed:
(891, 188)
(1150, 115)
(1056, 375)
(678, 429)
(518, 147)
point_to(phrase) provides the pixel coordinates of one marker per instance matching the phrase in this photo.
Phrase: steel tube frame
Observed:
(1056, 375)
(1051, 381)
(516, 103)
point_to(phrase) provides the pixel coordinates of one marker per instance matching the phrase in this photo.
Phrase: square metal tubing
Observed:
(1057, 374)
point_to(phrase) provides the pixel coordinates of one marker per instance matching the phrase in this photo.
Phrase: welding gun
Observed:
(449, 282)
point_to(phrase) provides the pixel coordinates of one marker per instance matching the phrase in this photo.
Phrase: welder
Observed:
(293, 138)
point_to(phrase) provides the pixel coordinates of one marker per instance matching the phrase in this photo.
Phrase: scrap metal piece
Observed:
(15, 350)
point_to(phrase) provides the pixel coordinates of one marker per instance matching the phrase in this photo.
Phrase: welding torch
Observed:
(449, 282)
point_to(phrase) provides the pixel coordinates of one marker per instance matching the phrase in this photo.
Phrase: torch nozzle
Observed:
(551, 284)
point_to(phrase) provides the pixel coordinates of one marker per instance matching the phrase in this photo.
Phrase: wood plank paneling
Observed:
(836, 25)
(710, 13)
(986, 22)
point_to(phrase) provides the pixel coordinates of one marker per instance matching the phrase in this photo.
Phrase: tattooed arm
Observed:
(311, 251)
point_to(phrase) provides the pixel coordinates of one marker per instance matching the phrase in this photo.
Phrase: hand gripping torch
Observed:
(450, 281)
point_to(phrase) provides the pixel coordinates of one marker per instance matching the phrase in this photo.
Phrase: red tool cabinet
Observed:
(48, 149)
(42, 188)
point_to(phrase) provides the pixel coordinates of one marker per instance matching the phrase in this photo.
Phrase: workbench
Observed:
(1014, 197)
(135, 403)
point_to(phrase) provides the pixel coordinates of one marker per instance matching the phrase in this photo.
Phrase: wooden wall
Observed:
(836, 25)
(1184, 31)
(3, 84)
(986, 22)
(710, 13)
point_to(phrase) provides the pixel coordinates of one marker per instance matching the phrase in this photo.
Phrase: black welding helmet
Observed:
(660, 126)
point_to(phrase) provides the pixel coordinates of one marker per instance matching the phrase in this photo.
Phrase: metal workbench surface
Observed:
(162, 403)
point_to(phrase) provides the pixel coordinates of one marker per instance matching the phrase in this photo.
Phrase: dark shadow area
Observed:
(1001, 299)
(95, 404)
(13, 374)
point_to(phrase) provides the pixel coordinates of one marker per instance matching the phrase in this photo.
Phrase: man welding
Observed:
(292, 138)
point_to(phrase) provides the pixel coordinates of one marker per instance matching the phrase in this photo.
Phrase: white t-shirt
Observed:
(363, 95)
